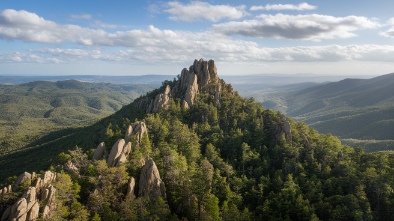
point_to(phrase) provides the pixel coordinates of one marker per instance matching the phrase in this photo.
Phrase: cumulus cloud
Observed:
(307, 27)
(197, 10)
(81, 16)
(389, 33)
(278, 7)
(226, 50)
(157, 45)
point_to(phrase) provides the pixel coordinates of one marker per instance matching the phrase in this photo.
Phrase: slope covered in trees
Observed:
(32, 110)
(220, 157)
(359, 109)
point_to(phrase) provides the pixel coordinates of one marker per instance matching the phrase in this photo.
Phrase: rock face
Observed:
(162, 100)
(115, 153)
(24, 177)
(150, 183)
(139, 130)
(130, 188)
(100, 152)
(69, 166)
(201, 77)
(27, 207)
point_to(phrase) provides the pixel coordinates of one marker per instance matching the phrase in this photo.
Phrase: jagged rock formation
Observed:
(69, 166)
(130, 188)
(24, 177)
(115, 153)
(162, 100)
(122, 148)
(100, 152)
(150, 183)
(201, 77)
(139, 130)
(28, 206)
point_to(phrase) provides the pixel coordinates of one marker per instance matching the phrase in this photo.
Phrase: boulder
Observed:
(30, 196)
(47, 178)
(130, 188)
(115, 153)
(139, 130)
(191, 90)
(150, 183)
(19, 210)
(122, 159)
(129, 133)
(32, 215)
(46, 213)
(100, 152)
(127, 148)
(69, 166)
(162, 100)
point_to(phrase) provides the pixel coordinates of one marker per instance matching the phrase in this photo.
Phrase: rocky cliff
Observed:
(201, 77)
(37, 199)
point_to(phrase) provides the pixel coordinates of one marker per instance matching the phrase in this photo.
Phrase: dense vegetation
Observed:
(30, 111)
(359, 110)
(224, 162)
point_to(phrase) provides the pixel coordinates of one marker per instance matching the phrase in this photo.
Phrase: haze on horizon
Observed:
(155, 37)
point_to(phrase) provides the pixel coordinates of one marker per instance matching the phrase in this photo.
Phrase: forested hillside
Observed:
(32, 110)
(359, 110)
(195, 150)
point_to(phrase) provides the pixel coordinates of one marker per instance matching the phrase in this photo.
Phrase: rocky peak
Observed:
(201, 77)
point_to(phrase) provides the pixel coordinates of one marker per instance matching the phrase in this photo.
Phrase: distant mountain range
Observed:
(28, 111)
(145, 79)
(351, 108)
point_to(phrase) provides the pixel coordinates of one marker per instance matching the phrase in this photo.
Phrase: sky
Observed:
(102, 37)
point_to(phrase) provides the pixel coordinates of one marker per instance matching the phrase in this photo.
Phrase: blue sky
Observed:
(101, 37)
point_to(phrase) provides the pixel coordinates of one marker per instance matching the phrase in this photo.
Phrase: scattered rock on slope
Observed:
(150, 183)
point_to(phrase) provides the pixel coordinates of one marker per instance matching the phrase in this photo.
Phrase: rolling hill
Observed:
(31, 110)
(353, 109)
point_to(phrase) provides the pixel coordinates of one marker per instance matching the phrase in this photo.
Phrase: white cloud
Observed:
(81, 16)
(306, 27)
(154, 45)
(278, 7)
(224, 50)
(197, 10)
(100, 24)
(389, 33)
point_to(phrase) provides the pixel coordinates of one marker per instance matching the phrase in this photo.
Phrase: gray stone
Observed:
(139, 130)
(129, 133)
(131, 188)
(127, 148)
(19, 210)
(30, 196)
(162, 100)
(46, 213)
(32, 215)
(99, 153)
(150, 183)
(69, 166)
(121, 160)
(115, 153)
